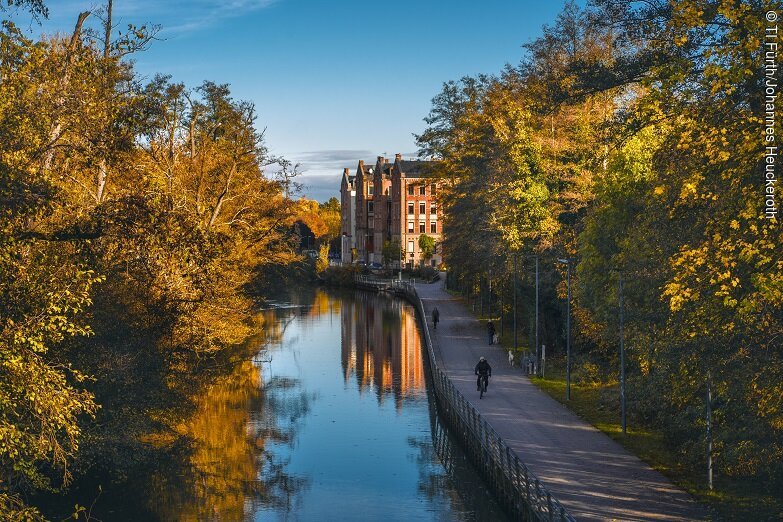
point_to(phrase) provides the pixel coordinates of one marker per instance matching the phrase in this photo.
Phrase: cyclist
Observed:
(484, 371)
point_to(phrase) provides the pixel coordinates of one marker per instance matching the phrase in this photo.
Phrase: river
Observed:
(332, 419)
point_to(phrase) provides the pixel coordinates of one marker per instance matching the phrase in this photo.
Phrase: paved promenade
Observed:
(589, 473)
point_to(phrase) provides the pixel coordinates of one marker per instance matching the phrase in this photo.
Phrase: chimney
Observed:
(398, 157)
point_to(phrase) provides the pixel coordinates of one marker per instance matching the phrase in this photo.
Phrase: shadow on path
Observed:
(590, 474)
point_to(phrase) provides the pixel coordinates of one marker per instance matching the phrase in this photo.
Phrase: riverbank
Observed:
(345, 276)
(597, 404)
(592, 476)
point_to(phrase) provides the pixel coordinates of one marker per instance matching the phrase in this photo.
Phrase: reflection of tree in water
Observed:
(229, 472)
(275, 422)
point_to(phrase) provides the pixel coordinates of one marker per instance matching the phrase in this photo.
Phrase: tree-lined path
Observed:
(589, 473)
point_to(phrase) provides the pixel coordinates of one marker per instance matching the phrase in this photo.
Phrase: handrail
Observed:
(514, 483)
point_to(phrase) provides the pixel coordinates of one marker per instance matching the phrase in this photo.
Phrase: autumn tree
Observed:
(694, 65)
(135, 219)
(45, 287)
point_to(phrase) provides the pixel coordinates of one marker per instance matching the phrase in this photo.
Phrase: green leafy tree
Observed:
(44, 287)
(694, 65)
(426, 246)
(392, 252)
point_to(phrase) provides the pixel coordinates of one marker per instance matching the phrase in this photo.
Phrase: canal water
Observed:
(332, 419)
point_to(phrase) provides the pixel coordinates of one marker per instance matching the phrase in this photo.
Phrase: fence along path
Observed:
(565, 458)
(514, 484)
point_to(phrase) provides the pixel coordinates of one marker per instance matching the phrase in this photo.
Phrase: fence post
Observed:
(538, 495)
(549, 506)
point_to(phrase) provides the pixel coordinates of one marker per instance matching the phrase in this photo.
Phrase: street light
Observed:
(515, 302)
(401, 257)
(538, 355)
(622, 351)
(567, 262)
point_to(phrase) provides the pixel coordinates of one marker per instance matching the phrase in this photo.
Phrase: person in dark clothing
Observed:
(482, 369)
(435, 317)
(490, 331)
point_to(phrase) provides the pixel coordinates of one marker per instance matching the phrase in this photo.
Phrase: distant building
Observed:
(395, 202)
(348, 216)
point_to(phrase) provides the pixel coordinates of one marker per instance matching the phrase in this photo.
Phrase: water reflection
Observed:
(229, 474)
(326, 416)
(381, 347)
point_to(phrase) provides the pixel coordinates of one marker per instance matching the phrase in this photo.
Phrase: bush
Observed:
(340, 275)
(425, 272)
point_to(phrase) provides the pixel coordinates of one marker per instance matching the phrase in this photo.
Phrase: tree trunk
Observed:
(107, 34)
(100, 188)
(222, 196)
(56, 131)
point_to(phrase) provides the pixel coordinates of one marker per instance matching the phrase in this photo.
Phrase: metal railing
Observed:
(515, 485)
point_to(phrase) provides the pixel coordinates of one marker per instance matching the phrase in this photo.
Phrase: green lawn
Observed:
(731, 499)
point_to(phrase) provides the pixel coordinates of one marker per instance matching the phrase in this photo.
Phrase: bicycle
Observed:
(483, 383)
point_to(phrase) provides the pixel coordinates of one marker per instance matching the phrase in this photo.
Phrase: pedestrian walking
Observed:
(435, 317)
(490, 331)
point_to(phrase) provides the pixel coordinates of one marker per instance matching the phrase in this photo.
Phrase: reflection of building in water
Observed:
(381, 347)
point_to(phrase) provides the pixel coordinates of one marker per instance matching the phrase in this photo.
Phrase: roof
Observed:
(366, 168)
(416, 168)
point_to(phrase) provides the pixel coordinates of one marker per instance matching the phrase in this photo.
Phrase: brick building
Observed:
(395, 202)
(348, 215)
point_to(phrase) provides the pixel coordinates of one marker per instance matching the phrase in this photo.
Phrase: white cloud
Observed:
(330, 161)
(174, 16)
(198, 14)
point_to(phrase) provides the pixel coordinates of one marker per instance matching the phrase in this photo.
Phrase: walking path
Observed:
(590, 474)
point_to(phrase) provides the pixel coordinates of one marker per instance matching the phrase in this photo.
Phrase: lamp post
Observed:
(401, 257)
(537, 306)
(622, 350)
(622, 355)
(538, 353)
(567, 262)
(489, 288)
(515, 302)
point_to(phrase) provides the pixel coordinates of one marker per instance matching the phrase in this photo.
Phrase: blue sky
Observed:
(333, 81)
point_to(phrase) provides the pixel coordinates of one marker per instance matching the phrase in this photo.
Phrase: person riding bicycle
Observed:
(483, 370)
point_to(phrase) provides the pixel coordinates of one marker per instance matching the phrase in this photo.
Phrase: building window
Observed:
(422, 228)
(422, 206)
(433, 189)
(423, 190)
(410, 227)
(410, 246)
(410, 209)
(370, 207)
(433, 209)
(369, 189)
(433, 227)
(410, 190)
